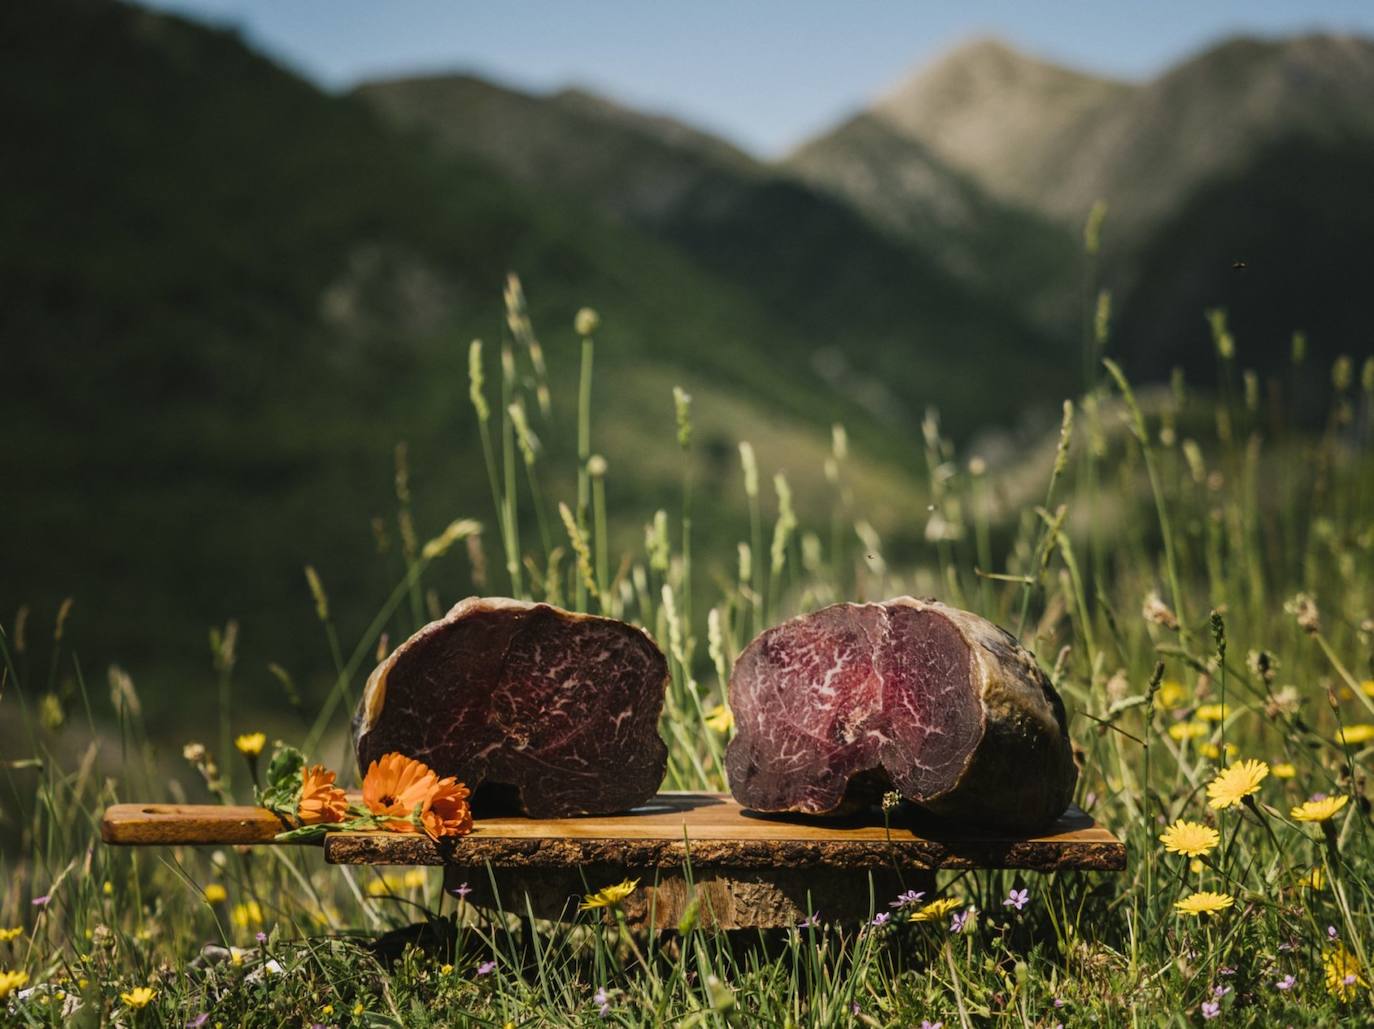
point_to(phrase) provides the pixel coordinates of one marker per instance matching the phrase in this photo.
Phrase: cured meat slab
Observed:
(834, 708)
(555, 710)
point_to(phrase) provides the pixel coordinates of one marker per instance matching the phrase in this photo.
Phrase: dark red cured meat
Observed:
(834, 708)
(560, 708)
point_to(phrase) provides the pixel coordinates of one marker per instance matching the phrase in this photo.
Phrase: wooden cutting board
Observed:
(695, 856)
(709, 829)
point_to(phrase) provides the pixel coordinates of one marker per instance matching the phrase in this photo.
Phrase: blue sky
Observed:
(764, 73)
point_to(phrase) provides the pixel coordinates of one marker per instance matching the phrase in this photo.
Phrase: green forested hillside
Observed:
(896, 323)
(229, 296)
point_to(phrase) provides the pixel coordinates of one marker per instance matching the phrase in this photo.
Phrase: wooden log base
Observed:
(747, 899)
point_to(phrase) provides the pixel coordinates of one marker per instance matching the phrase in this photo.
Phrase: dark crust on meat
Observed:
(996, 788)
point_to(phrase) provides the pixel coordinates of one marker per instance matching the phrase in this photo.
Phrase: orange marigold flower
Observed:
(448, 813)
(321, 800)
(396, 785)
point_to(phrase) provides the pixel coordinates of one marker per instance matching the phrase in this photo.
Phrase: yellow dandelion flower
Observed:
(936, 910)
(445, 969)
(1361, 732)
(11, 981)
(1235, 783)
(1213, 712)
(608, 897)
(1171, 694)
(250, 744)
(1343, 973)
(1213, 752)
(1189, 730)
(1189, 838)
(1203, 903)
(139, 997)
(358, 1009)
(720, 718)
(249, 913)
(1196, 866)
(1283, 770)
(384, 885)
(1319, 810)
(108, 888)
(216, 894)
(326, 1011)
(11, 934)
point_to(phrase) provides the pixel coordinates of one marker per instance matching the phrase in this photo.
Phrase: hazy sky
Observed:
(765, 73)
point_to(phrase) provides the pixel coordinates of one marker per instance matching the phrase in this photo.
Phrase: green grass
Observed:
(1188, 552)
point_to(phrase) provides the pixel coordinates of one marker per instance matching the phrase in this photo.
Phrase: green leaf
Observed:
(285, 778)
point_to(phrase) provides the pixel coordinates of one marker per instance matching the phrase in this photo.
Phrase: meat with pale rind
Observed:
(836, 707)
(559, 708)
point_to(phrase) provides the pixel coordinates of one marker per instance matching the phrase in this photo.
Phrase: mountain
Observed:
(993, 247)
(892, 323)
(1055, 140)
(229, 296)
(1177, 159)
(1014, 123)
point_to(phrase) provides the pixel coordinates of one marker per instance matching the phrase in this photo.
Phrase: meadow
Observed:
(1191, 566)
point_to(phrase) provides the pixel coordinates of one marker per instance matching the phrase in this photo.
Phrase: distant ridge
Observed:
(885, 303)
(1001, 116)
(1055, 140)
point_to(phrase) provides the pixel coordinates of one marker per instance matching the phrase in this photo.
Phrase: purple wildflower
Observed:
(909, 897)
(199, 1020)
(461, 891)
(854, 1008)
(960, 920)
(1350, 979)
(811, 922)
(1210, 1009)
(41, 902)
(1017, 899)
(1331, 933)
(1286, 983)
(1226, 970)
(260, 936)
(1059, 1002)
(486, 968)
(602, 1002)
(927, 1024)
(1221, 991)
(881, 918)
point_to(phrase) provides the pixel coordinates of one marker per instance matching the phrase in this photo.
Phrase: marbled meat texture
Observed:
(563, 707)
(833, 708)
